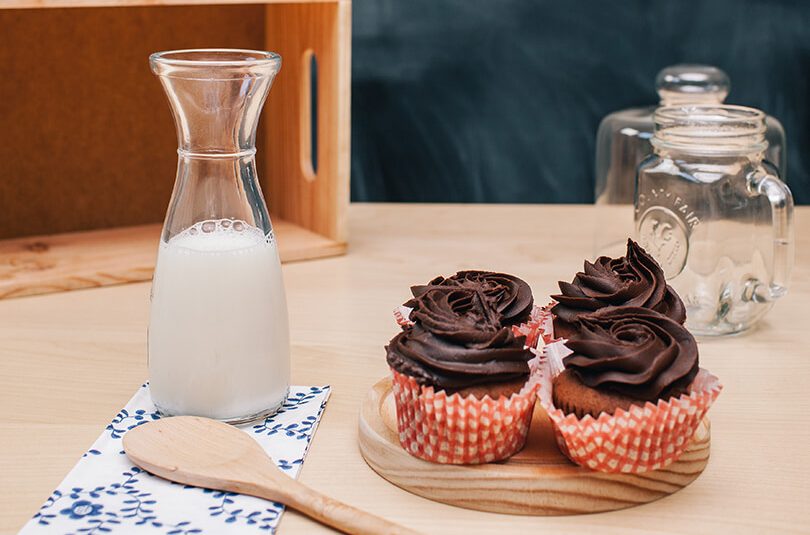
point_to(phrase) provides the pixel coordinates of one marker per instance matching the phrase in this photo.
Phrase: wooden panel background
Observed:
(318, 200)
(86, 136)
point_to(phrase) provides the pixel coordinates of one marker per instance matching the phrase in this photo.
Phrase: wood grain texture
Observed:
(539, 480)
(317, 199)
(206, 453)
(72, 261)
(69, 361)
(36, 4)
(104, 149)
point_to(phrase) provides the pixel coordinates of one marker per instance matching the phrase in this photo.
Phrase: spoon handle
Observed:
(332, 512)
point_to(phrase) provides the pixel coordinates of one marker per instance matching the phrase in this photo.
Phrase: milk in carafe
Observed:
(218, 333)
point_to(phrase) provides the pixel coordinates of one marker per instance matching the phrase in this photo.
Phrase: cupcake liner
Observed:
(459, 429)
(554, 353)
(645, 437)
(539, 326)
(402, 316)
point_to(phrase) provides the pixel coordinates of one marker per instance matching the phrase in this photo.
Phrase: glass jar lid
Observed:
(692, 84)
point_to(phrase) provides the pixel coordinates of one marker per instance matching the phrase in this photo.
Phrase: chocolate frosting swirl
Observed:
(635, 279)
(458, 340)
(510, 295)
(633, 351)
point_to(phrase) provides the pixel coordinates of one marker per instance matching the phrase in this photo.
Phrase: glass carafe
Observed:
(218, 329)
(623, 141)
(715, 215)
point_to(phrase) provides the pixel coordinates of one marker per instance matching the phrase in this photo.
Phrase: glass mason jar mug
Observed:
(715, 215)
(623, 142)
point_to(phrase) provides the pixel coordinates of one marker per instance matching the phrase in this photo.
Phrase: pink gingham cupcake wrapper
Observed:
(459, 429)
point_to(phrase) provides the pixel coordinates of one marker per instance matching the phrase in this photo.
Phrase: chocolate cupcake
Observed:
(631, 395)
(622, 357)
(635, 280)
(461, 376)
(458, 340)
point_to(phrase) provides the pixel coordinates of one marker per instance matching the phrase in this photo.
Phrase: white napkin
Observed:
(105, 493)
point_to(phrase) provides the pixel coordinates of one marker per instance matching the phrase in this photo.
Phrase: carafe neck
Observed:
(216, 97)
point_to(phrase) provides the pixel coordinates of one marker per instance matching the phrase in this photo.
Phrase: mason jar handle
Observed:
(761, 182)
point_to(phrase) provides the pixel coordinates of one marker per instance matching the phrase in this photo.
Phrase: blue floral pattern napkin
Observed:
(105, 493)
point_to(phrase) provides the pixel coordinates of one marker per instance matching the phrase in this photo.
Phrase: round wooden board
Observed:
(539, 480)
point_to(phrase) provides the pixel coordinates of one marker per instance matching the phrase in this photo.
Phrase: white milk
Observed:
(218, 333)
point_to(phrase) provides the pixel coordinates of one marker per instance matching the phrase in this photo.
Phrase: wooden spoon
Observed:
(207, 453)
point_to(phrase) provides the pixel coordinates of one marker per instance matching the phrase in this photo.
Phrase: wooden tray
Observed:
(537, 481)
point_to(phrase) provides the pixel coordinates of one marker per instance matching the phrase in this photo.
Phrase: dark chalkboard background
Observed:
(499, 100)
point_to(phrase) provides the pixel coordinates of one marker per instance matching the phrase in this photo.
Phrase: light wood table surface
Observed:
(70, 361)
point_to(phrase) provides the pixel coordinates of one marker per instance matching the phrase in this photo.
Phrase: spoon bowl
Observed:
(208, 453)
